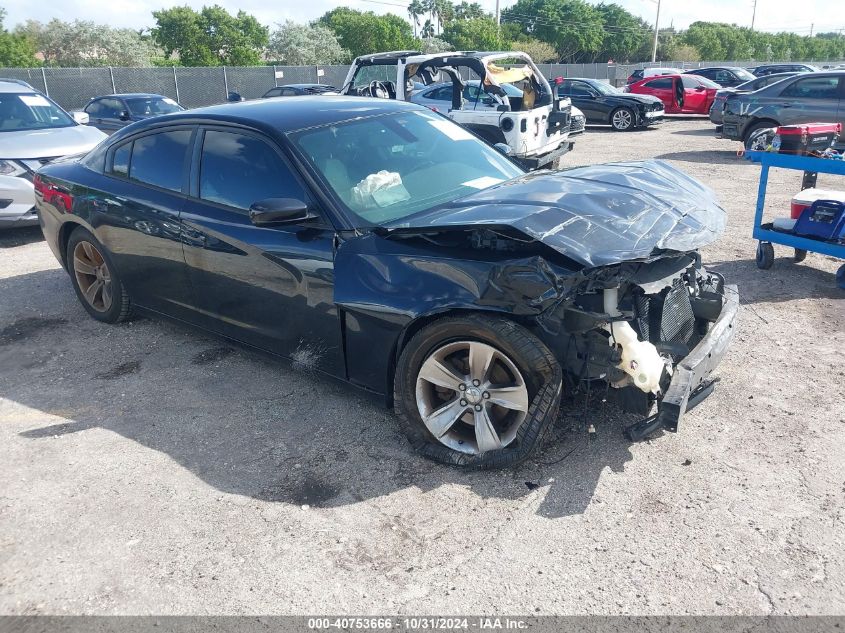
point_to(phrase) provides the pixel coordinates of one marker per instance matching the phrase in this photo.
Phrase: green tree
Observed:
(363, 32)
(210, 37)
(415, 10)
(478, 34)
(469, 11)
(624, 33)
(540, 52)
(16, 49)
(305, 45)
(433, 45)
(84, 43)
(573, 27)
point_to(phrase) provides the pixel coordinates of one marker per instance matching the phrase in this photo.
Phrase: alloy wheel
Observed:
(622, 119)
(93, 276)
(471, 397)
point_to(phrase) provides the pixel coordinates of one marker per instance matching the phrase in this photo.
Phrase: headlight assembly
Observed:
(10, 168)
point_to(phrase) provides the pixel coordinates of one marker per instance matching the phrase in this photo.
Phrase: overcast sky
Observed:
(794, 15)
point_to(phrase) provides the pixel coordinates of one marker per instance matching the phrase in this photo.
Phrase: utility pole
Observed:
(498, 15)
(753, 15)
(656, 30)
(811, 29)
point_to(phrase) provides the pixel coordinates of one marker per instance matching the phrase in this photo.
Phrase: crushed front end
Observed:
(653, 331)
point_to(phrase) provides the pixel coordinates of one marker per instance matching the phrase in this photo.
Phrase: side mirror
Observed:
(503, 148)
(124, 115)
(80, 117)
(278, 211)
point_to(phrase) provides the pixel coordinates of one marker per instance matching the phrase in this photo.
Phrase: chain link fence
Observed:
(196, 87)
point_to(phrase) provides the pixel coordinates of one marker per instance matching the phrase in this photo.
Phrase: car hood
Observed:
(596, 216)
(628, 96)
(47, 143)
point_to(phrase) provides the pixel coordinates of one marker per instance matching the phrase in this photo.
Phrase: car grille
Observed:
(577, 124)
(666, 319)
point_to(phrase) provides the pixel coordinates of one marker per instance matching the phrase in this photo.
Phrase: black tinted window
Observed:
(580, 89)
(120, 162)
(663, 83)
(813, 88)
(441, 94)
(239, 170)
(94, 109)
(159, 159)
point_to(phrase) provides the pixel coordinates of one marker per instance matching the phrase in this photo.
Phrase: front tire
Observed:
(476, 391)
(95, 279)
(622, 119)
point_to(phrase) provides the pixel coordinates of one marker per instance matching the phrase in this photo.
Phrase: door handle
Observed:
(785, 105)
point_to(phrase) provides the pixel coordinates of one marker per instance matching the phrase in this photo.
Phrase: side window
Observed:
(110, 108)
(275, 92)
(238, 170)
(580, 89)
(289, 92)
(120, 160)
(690, 83)
(94, 109)
(705, 73)
(660, 84)
(723, 75)
(159, 159)
(813, 88)
(565, 87)
(441, 94)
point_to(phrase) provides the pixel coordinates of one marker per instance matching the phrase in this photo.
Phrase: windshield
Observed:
(386, 168)
(30, 111)
(605, 89)
(151, 106)
(703, 81)
(743, 74)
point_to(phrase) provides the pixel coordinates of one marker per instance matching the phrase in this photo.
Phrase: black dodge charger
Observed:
(377, 242)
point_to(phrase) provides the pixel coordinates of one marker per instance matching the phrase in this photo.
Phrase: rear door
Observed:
(268, 286)
(109, 115)
(587, 100)
(138, 218)
(810, 98)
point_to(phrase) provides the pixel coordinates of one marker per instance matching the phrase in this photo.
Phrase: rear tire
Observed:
(752, 140)
(800, 255)
(458, 421)
(95, 278)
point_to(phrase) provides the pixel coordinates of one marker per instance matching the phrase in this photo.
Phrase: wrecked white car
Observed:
(534, 126)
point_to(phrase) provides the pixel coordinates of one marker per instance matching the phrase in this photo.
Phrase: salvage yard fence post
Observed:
(199, 86)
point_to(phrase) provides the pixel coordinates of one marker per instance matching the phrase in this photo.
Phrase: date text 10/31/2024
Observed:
(418, 623)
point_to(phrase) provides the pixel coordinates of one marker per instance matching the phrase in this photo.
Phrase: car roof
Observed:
(299, 86)
(12, 85)
(285, 115)
(692, 70)
(130, 95)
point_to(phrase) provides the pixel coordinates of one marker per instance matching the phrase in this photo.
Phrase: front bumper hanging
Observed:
(691, 377)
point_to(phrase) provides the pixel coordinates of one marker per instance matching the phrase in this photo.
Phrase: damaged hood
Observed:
(596, 216)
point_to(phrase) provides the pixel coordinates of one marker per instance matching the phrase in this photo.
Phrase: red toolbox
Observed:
(806, 138)
(804, 199)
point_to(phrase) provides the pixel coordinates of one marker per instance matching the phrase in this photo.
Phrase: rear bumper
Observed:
(544, 160)
(690, 380)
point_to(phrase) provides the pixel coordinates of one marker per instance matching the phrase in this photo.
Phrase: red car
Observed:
(680, 94)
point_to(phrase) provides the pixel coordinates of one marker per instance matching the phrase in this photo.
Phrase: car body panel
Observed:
(598, 107)
(716, 110)
(778, 104)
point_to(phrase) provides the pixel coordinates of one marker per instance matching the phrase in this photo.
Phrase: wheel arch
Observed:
(65, 231)
(754, 122)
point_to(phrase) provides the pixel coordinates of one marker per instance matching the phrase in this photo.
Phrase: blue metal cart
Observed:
(766, 236)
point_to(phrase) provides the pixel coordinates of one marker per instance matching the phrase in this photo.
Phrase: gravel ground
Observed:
(145, 468)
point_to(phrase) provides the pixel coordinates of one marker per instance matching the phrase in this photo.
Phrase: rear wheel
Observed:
(622, 119)
(94, 278)
(800, 255)
(476, 392)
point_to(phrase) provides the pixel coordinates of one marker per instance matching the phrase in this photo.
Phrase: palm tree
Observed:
(415, 10)
(427, 29)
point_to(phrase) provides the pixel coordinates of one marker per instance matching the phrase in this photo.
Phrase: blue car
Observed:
(109, 113)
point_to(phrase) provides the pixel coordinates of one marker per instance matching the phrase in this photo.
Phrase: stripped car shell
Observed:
(535, 126)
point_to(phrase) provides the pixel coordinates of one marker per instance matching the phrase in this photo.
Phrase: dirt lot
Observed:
(148, 469)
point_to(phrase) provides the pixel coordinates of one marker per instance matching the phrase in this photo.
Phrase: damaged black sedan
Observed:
(382, 244)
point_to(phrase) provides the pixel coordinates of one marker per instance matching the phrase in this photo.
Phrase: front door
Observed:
(267, 286)
(695, 95)
(664, 89)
